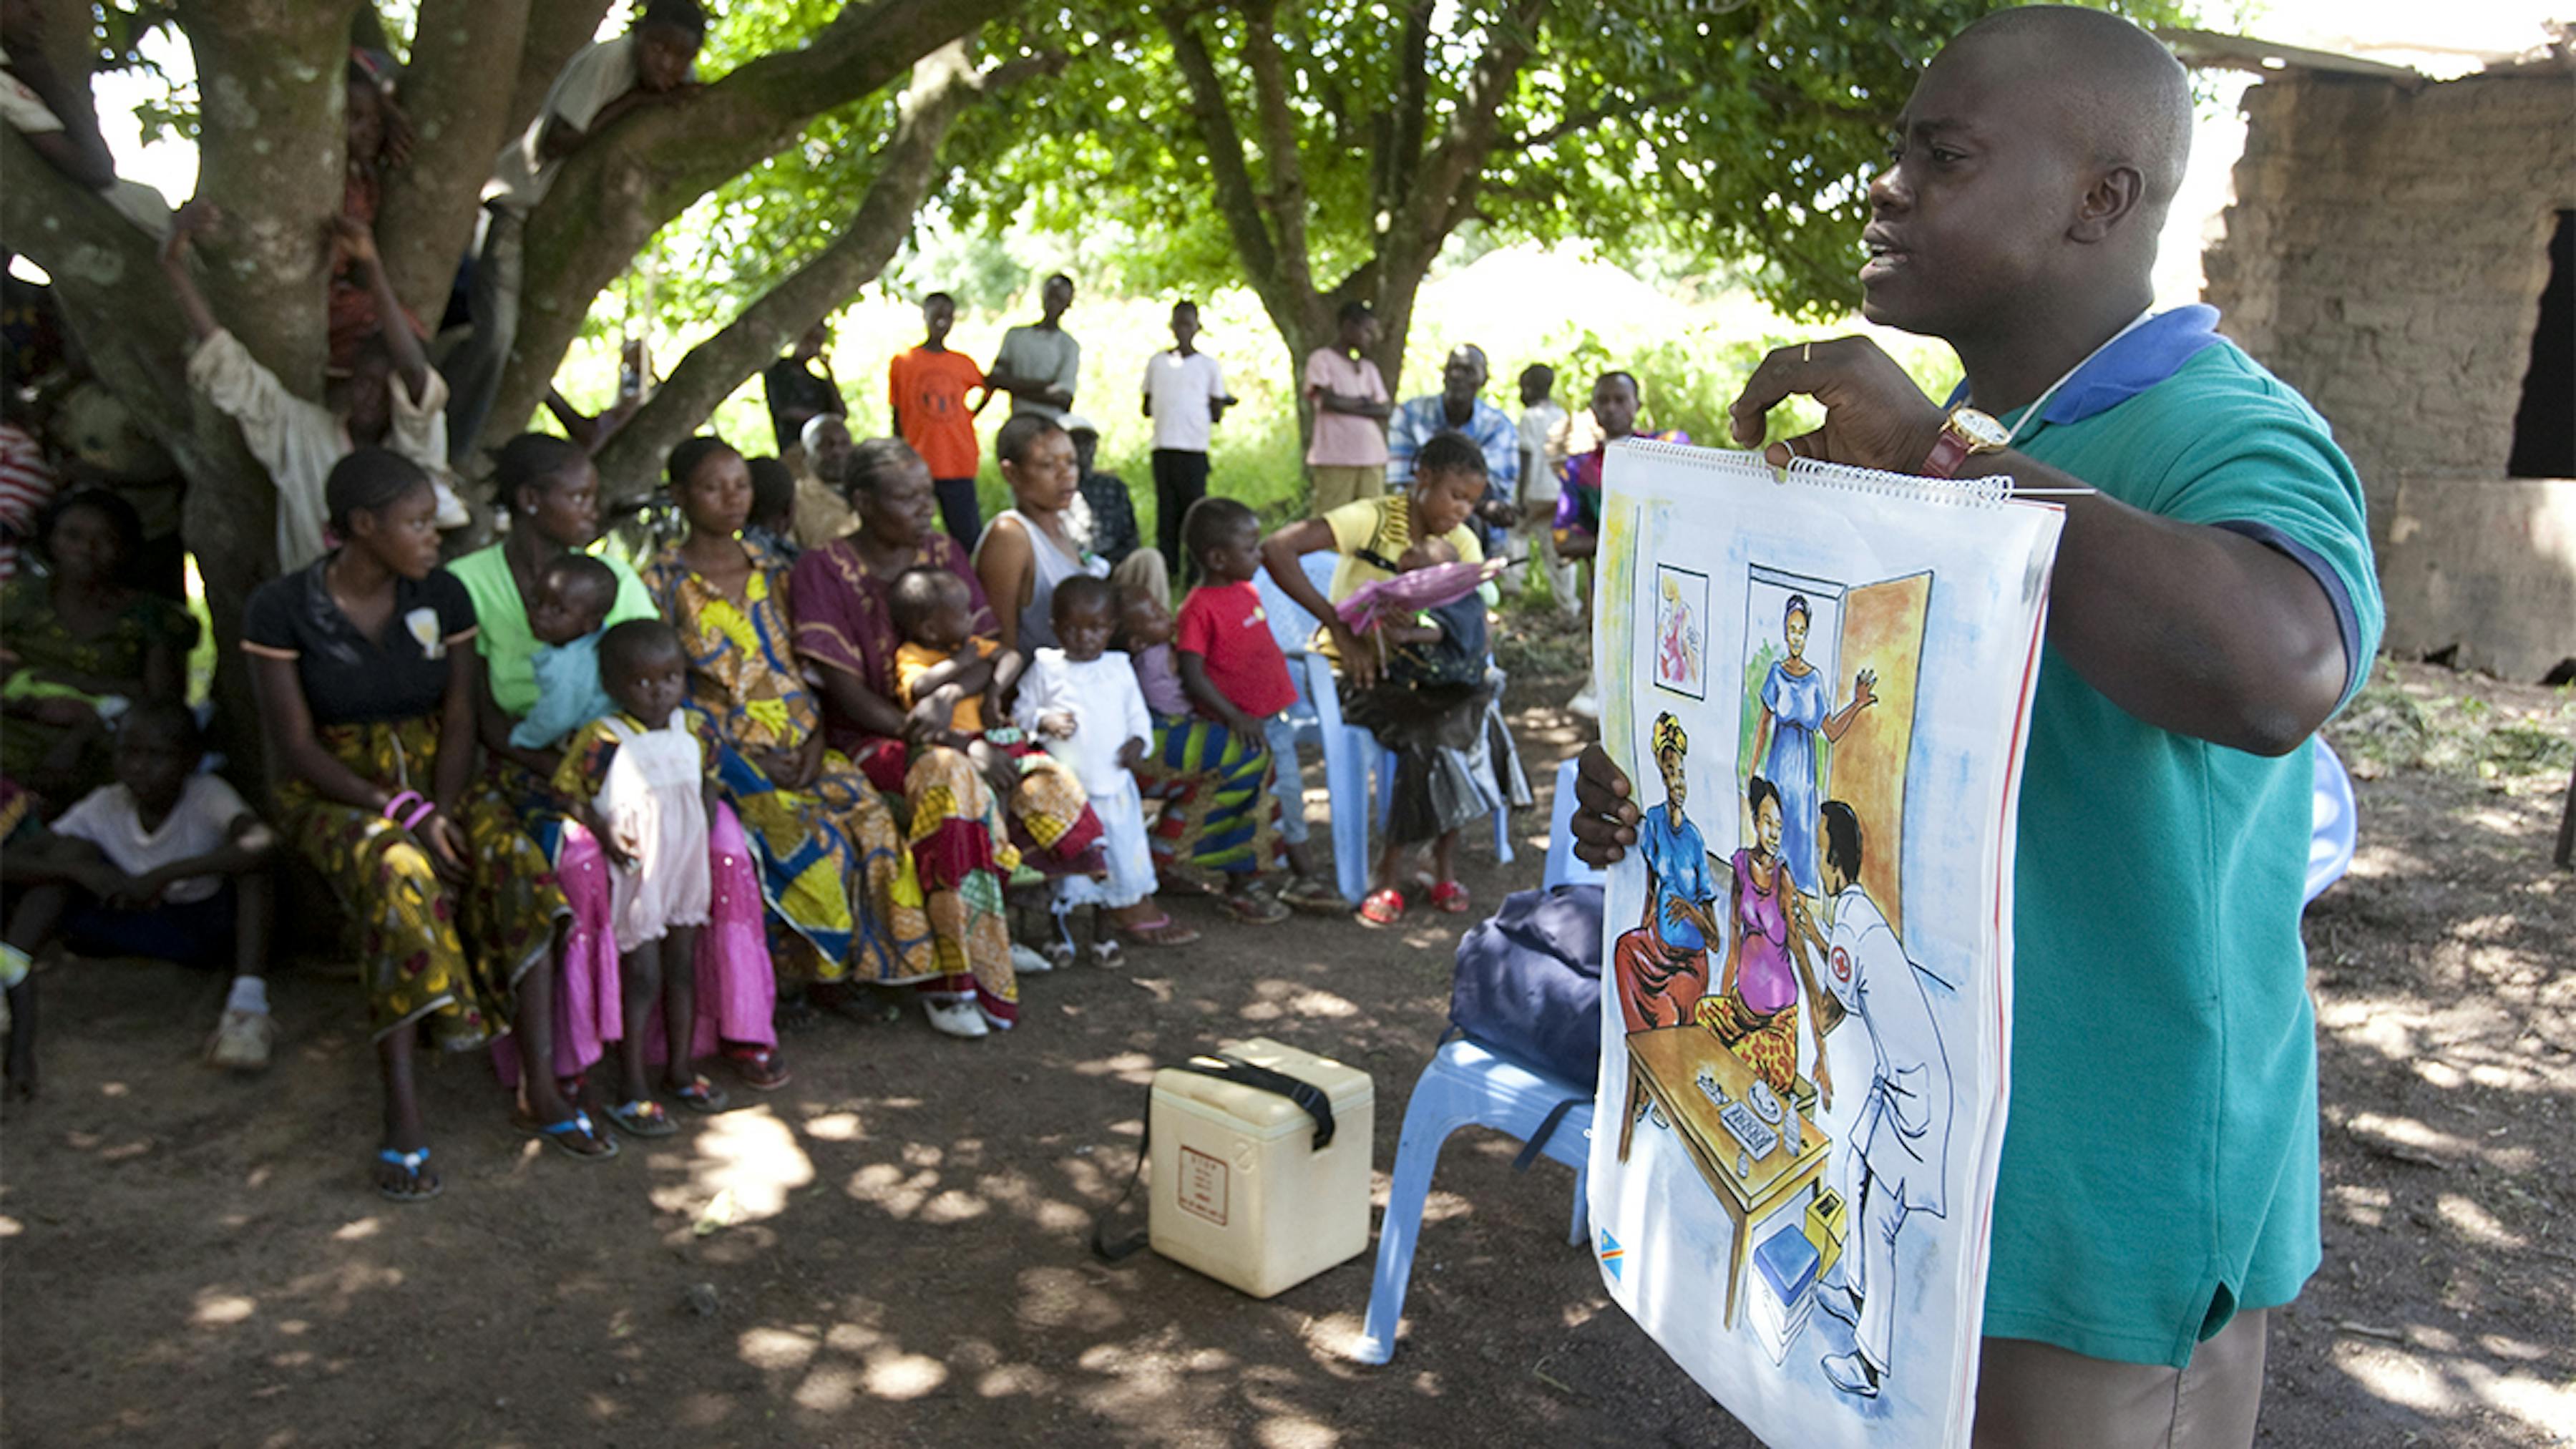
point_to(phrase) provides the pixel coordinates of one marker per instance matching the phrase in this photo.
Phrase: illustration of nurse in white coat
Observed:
(1901, 1138)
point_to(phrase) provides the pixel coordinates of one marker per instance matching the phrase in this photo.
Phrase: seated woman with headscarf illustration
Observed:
(1661, 967)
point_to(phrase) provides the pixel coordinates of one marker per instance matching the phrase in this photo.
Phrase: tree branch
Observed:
(943, 83)
(458, 102)
(622, 186)
(1465, 143)
(1236, 197)
(265, 275)
(1279, 143)
(1412, 109)
(1587, 118)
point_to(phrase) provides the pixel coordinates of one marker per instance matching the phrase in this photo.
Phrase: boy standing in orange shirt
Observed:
(927, 388)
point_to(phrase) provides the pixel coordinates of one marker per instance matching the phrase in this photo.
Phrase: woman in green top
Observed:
(552, 492)
(80, 637)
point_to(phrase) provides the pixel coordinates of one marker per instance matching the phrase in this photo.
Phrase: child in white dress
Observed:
(642, 779)
(1082, 704)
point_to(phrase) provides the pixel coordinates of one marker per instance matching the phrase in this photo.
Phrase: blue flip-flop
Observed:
(411, 1163)
(642, 1117)
(559, 1135)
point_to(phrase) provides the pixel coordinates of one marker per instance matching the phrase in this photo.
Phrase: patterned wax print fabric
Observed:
(32, 631)
(840, 887)
(448, 958)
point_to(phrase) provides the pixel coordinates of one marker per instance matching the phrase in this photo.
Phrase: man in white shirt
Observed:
(1896, 1155)
(1185, 396)
(651, 62)
(167, 862)
(1542, 420)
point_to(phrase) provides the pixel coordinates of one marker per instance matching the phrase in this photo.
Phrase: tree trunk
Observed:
(614, 193)
(108, 283)
(265, 274)
(942, 84)
(458, 101)
(1427, 193)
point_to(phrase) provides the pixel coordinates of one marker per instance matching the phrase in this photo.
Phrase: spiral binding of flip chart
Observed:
(1990, 492)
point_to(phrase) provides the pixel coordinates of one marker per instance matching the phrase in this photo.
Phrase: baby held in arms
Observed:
(574, 595)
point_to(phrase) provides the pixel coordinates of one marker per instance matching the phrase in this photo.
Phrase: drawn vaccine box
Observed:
(1241, 1190)
(1784, 1281)
(1825, 1228)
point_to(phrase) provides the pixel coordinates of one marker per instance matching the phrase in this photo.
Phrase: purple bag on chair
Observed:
(1528, 982)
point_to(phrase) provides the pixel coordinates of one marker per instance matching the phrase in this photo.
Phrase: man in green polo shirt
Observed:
(2213, 604)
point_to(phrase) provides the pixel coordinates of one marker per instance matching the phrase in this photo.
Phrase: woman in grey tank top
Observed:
(1029, 548)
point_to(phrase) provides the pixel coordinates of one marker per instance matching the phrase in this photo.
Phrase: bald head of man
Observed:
(2033, 169)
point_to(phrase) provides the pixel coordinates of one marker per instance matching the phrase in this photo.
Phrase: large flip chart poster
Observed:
(1820, 686)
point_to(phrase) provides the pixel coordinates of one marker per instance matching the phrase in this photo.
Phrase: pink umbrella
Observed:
(1385, 600)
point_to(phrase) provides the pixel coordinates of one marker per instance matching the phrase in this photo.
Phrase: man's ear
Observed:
(2112, 200)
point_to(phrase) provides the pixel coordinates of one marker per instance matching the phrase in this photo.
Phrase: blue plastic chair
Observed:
(1465, 1086)
(1562, 868)
(2330, 839)
(1350, 753)
(1316, 718)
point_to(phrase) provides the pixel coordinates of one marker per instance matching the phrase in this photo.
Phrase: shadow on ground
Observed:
(893, 1249)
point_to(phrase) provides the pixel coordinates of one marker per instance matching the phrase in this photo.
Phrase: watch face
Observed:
(1981, 430)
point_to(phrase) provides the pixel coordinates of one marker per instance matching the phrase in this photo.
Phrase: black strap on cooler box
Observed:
(1225, 1067)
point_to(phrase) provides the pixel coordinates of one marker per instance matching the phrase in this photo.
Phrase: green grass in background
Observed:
(1578, 316)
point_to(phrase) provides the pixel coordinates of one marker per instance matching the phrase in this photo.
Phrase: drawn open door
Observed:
(1882, 632)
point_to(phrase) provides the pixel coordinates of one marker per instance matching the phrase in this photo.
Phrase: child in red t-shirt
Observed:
(1212, 768)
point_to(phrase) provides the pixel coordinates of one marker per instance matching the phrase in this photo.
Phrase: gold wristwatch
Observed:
(1967, 432)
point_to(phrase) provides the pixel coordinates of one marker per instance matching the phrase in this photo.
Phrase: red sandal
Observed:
(758, 1067)
(1450, 897)
(1383, 907)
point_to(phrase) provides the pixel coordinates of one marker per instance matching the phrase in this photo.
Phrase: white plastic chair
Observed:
(2337, 823)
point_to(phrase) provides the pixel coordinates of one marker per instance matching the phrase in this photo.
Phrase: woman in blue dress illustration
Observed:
(1797, 706)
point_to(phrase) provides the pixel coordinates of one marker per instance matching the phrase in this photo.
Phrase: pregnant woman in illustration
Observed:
(1662, 965)
(1797, 706)
(1754, 1011)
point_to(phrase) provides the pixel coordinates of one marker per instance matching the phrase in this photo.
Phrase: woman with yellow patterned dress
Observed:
(845, 904)
(363, 663)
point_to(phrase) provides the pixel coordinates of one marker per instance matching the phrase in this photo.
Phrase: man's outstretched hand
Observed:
(1605, 819)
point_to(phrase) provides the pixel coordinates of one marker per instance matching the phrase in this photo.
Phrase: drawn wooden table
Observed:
(1664, 1063)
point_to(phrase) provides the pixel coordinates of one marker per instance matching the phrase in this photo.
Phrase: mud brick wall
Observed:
(2385, 254)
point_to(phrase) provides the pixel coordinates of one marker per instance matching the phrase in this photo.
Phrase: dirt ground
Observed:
(191, 1260)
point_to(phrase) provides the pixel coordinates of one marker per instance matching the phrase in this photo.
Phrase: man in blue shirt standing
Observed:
(2214, 602)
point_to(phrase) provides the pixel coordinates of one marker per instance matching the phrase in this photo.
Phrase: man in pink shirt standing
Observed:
(1348, 455)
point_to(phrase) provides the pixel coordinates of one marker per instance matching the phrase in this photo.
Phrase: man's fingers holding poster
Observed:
(1875, 416)
(1605, 820)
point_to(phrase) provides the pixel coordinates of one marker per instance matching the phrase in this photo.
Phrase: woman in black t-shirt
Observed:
(364, 667)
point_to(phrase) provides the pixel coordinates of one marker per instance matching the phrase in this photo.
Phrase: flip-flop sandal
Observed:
(1450, 897)
(1313, 895)
(1384, 907)
(759, 1068)
(642, 1117)
(702, 1097)
(560, 1135)
(412, 1163)
(1160, 931)
(1255, 910)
